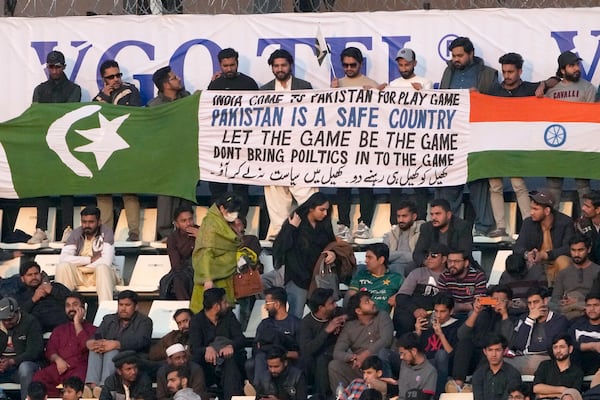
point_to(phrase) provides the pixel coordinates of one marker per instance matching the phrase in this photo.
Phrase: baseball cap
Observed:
(8, 308)
(123, 357)
(567, 58)
(542, 197)
(406, 54)
(55, 58)
(174, 349)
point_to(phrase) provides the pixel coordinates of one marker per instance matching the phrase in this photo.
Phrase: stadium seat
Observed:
(105, 308)
(456, 396)
(498, 267)
(259, 312)
(48, 262)
(147, 229)
(10, 267)
(76, 223)
(118, 264)
(26, 221)
(510, 215)
(147, 272)
(161, 313)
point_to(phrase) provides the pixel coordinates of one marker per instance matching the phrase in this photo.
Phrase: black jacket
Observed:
(531, 236)
(460, 238)
(290, 385)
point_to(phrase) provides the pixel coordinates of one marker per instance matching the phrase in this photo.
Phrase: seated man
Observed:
(377, 279)
(66, 350)
(402, 239)
(491, 317)
(438, 335)
(545, 234)
(586, 332)
(368, 332)
(554, 376)
(179, 282)
(462, 281)
(284, 381)
(533, 334)
(278, 329)
(419, 290)
(127, 382)
(177, 357)
(417, 376)
(372, 370)
(573, 283)
(492, 379)
(178, 379)
(520, 392)
(182, 318)
(86, 259)
(21, 344)
(319, 331)
(127, 329)
(217, 343)
(519, 276)
(43, 299)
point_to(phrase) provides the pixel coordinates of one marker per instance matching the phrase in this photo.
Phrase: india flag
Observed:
(529, 136)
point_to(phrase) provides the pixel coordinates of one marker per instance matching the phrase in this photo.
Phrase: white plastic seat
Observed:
(26, 221)
(147, 272)
(456, 396)
(104, 308)
(257, 314)
(48, 262)
(147, 229)
(498, 267)
(161, 314)
(118, 264)
(10, 267)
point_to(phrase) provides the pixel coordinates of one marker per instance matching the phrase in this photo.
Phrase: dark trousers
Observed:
(420, 198)
(367, 205)
(467, 357)
(66, 212)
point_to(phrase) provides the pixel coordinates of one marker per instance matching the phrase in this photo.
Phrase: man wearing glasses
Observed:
(573, 283)
(519, 392)
(352, 60)
(115, 91)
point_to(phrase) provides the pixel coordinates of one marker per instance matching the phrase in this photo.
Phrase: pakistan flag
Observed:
(89, 148)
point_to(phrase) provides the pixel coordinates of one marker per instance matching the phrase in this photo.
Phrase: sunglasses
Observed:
(111, 77)
(433, 255)
(351, 65)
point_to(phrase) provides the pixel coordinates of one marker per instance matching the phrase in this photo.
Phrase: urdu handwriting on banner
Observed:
(337, 137)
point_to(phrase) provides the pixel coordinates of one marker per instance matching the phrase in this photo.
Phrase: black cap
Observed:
(55, 58)
(543, 197)
(567, 58)
(125, 357)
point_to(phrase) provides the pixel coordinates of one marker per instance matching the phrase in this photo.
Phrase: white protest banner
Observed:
(348, 137)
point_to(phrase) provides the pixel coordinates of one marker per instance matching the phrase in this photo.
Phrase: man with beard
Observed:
(366, 334)
(589, 223)
(66, 350)
(318, 333)
(279, 329)
(177, 357)
(181, 335)
(43, 299)
(57, 89)
(86, 259)
(466, 71)
(586, 332)
(417, 379)
(178, 381)
(554, 376)
(445, 228)
(279, 198)
(217, 343)
(573, 283)
(283, 381)
(128, 382)
(127, 329)
(352, 61)
(403, 237)
(545, 235)
(534, 332)
(230, 79)
(170, 88)
(462, 282)
(570, 88)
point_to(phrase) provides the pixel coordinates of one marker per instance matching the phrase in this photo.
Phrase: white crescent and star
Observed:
(105, 139)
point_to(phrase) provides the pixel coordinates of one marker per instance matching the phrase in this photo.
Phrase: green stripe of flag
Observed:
(533, 163)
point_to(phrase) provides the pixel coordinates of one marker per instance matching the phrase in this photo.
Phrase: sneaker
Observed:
(66, 234)
(97, 390)
(362, 231)
(500, 232)
(133, 237)
(453, 387)
(343, 232)
(87, 392)
(38, 237)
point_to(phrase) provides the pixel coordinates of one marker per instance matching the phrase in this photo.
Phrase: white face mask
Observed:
(230, 217)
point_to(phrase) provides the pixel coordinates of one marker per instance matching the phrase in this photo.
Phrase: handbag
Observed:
(246, 282)
(327, 278)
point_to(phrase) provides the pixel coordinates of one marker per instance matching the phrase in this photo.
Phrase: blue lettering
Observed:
(394, 43)
(565, 42)
(177, 61)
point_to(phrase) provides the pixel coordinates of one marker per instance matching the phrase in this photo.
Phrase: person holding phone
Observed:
(66, 351)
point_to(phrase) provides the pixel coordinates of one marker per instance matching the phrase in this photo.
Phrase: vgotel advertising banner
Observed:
(348, 137)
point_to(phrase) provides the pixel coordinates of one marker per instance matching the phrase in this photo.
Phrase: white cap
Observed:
(174, 348)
